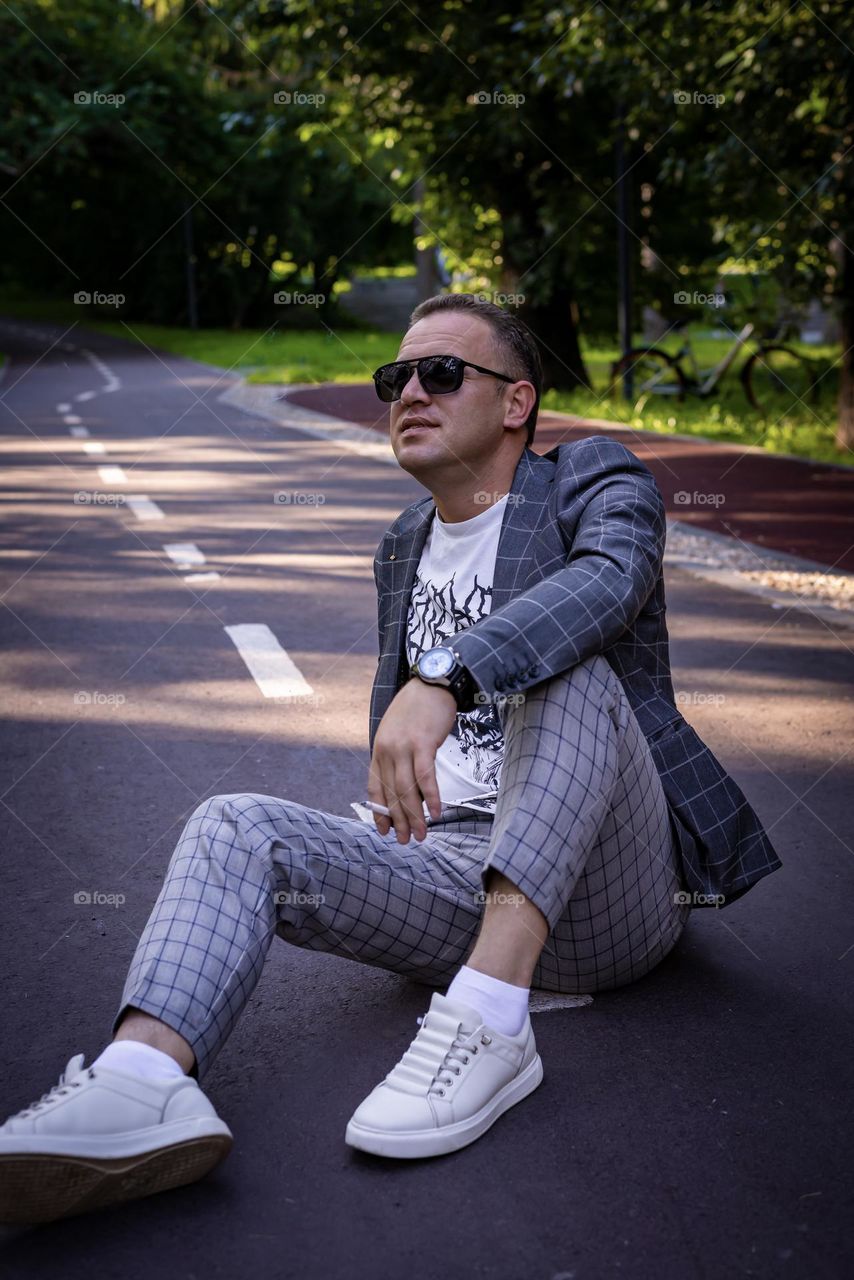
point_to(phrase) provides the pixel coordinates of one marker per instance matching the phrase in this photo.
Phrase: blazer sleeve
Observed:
(616, 548)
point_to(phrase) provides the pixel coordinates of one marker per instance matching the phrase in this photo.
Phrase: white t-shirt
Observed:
(452, 591)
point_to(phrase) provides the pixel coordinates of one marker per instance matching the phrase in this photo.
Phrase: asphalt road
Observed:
(694, 1125)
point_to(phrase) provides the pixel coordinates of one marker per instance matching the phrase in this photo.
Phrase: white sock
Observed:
(500, 1004)
(139, 1059)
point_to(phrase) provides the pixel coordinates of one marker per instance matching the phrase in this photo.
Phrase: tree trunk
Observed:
(555, 326)
(845, 426)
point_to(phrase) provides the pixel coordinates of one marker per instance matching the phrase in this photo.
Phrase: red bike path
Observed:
(800, 508)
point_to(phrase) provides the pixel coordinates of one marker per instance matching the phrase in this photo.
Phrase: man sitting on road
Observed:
(523, 696)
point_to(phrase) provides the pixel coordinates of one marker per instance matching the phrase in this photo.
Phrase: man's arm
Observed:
(614, 561)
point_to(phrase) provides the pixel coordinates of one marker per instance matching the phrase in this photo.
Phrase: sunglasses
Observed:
(437, 374)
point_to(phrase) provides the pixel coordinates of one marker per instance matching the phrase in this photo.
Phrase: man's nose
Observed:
(413, 391)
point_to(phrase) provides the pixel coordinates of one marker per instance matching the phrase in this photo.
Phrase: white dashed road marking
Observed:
(112, 475)
(63, 408)
(143, 508)
(80, 433)
(213, 576)
(184, 554)
(70, 418)
(86, 395)
(274, 672)
(94, 446)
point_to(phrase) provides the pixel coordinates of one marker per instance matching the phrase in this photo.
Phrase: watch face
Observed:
(436, 662)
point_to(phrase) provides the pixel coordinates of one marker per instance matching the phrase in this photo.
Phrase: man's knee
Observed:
(593, 677)
(243, 807)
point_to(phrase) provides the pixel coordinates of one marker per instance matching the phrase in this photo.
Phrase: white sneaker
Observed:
(455, 1079)
(101, 1136)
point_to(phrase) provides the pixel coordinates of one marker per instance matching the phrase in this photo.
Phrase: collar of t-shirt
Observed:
(477, 525)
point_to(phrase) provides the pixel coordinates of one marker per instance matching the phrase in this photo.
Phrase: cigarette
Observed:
(380, 808)
(376, 808)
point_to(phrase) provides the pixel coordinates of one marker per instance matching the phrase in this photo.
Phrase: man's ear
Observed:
(522, 400)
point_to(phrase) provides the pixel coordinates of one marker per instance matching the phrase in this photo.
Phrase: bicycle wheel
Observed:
(652, 372)
(777, 379)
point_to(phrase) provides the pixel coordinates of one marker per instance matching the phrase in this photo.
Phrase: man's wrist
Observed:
(441, 667)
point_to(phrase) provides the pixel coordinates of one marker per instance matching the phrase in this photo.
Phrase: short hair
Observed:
(513, 338)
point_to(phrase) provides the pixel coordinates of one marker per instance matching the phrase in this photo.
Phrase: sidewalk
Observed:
(798, 508)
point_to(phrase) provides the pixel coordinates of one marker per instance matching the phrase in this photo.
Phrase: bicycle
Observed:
(772, 374)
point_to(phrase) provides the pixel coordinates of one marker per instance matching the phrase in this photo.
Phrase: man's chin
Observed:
(418, 461)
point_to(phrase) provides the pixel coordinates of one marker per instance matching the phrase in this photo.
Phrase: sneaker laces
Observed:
(67, 1081)
(461, 1049)
(430, 1064)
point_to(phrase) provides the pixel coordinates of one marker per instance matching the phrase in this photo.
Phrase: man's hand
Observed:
(417, 722)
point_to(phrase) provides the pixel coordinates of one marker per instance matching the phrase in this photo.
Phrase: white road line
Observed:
(274, 672)
(63, 408)
(184, 554)
(94, 446)
(143, 508)
(112, 475)
(86, 395)
(112, 382)
(202, 577)
(80, 433)
(71, 419)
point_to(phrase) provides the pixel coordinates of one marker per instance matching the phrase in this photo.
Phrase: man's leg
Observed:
(246, 867)
(580, 882)
(582, 831)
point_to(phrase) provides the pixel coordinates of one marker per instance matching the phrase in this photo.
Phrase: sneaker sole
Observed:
(41, 1187)
(415, 1144)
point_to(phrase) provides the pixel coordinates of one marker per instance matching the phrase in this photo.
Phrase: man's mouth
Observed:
(410, 424)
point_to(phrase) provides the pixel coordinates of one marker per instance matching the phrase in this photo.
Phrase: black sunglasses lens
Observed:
(390, 381)
(437, 375)
(440, 374)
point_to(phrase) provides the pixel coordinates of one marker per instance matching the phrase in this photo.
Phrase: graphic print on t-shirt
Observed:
(437, 613)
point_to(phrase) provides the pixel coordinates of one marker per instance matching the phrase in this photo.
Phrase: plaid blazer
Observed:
(579, 571)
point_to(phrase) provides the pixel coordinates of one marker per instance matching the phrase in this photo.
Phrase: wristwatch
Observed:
(442, 666)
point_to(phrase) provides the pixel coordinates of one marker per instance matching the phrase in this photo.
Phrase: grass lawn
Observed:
(350, 355)
(806, 430)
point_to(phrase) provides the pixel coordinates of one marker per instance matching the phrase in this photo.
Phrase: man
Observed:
(541, 806)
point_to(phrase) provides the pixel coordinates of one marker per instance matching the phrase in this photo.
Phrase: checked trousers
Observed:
(581, 826)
